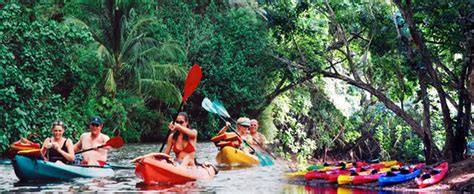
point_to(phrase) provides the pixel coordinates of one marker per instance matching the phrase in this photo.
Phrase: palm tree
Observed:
(128, 50)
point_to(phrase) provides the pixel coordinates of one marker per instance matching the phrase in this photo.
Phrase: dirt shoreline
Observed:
(459, 178)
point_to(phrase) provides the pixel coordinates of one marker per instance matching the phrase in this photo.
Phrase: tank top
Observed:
(54, 155)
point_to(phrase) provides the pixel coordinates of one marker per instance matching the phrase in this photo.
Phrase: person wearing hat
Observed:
(58, 148)
(243, 125)
(93, 139)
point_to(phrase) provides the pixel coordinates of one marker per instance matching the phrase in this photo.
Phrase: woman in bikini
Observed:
(58, 148)
(182, 140)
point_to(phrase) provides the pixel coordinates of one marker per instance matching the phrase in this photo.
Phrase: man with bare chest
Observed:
(93, 139)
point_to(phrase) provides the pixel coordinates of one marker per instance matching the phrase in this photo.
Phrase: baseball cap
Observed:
(96, 120)
(244, 121)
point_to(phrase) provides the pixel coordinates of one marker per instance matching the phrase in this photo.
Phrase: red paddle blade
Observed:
(192, 81)
(115, 142)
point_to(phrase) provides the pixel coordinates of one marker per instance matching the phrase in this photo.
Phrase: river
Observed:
(267, 179)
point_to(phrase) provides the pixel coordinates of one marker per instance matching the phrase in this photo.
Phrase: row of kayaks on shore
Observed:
(384, 173)
(155, 168)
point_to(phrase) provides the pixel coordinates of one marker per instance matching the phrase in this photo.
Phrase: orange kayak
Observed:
(159, 169)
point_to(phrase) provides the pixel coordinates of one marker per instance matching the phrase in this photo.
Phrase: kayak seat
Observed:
(373, 171)
(353, 173)
(434, 172)
(404, 171)
(325, 164)
(390, 174)
(363, 169)
(425, 176)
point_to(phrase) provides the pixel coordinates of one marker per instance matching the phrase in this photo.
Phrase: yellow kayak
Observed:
(297, 174)
(389, 163)
(233, 156)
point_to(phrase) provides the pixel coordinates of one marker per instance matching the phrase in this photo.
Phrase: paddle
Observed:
(221, 111)
(115, 142)
(217, 108)
(208, 106)
(191, 83)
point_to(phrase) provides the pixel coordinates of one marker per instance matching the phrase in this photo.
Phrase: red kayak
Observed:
(21, 145)
(433, 176)
(361, 179)
(159, 168)
(316, 174)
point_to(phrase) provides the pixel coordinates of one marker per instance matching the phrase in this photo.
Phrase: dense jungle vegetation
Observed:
(355, 80)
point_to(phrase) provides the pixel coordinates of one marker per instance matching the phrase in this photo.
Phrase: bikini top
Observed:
(188, 148)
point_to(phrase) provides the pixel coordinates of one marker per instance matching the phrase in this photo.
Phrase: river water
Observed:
(267, 179)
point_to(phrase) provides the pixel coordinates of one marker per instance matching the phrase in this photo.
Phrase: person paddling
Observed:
(182, 140)
(243, 125)
(93, 139)
(58, 148)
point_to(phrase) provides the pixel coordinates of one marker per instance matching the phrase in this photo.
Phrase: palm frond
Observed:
(169, 72)
(104, 54)
(110, 85)
(165, 91)
(172, 50)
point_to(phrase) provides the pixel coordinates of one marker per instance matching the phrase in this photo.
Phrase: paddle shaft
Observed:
(86, 150)
(169, 131)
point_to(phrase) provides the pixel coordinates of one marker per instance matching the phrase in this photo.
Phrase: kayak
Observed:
(434, 176)
(32, 153)
(370, 175)
(233, 156)
(296, 174)
(19, 146)
(314, 167)
(361, 179)
(28, 169)
(402, 176)
(160, 169)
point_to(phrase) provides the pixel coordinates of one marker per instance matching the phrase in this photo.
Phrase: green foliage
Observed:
(42, 74)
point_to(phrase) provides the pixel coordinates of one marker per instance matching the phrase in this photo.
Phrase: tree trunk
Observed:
(428, 64)
(392, 106)
(427, 142)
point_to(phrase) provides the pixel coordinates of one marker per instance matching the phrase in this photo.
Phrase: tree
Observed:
(133, 58)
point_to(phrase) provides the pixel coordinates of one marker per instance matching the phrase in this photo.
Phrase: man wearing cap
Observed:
(93, 139)
(243, 125)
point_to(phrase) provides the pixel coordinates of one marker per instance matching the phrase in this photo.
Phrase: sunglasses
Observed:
(58, 123)
(180, 122)
(95, 125)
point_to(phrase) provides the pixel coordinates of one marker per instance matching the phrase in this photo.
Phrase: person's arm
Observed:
(106, 138)
(169, 144)
(44, 148)
(263, 139)
(69, 155)
(224, 129)
(78, 145)
(191, 133)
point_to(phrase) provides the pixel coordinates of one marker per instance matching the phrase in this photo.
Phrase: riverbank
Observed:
(459, 178)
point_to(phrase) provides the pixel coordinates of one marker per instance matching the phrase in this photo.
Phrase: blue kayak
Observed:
(28, 169)
(398, 178)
